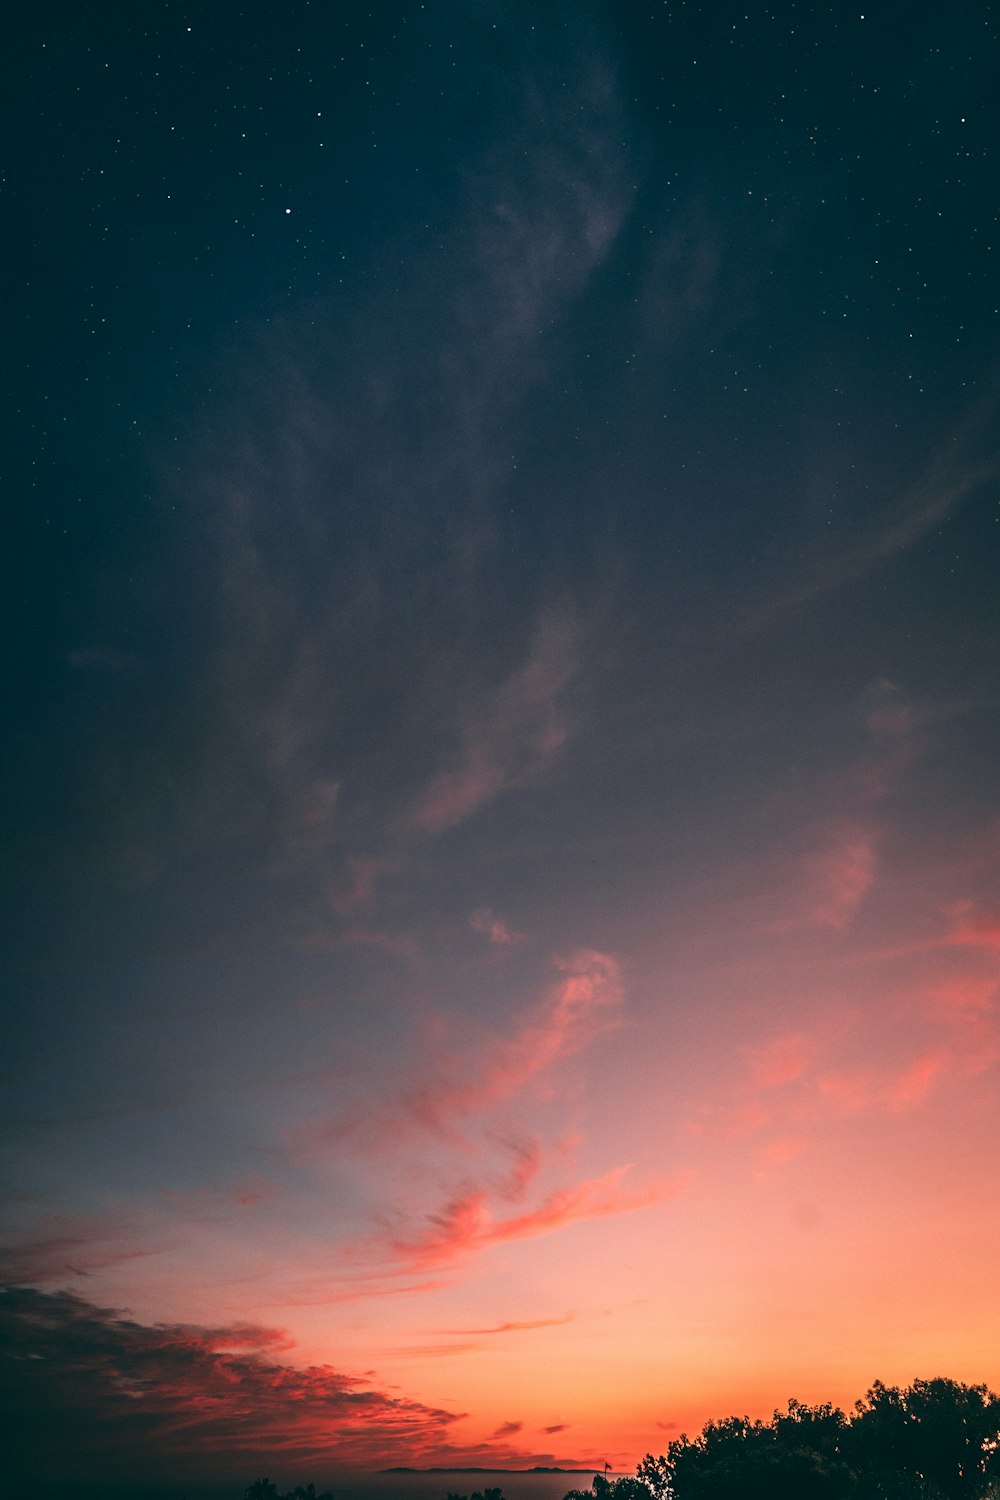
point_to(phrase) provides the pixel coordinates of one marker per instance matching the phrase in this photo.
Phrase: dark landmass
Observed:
(538, 1469)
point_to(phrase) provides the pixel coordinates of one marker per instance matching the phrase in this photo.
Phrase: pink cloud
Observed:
(892, 723)
(779, 1061)
(580, 1006)
(840, 876)
(912, 1086)
(974, 927)
(251, 1191)
(466, 1226)
(451, 797)
(779, 1152)
(964, 996)
(896, 1091)
(527, 1164)
(511, 737)
(467, 1081)
(490, 926)
(358, 891)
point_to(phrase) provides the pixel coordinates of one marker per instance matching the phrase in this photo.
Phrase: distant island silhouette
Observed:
(466, 1469)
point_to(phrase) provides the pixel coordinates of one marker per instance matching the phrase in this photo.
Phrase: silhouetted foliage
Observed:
(935, 1440)
(626, 1487)
(264, 1489)
(936, 1433)
(795, 1456)
(488, 1494)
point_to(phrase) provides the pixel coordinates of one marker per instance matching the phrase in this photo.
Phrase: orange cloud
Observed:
(512, 1327)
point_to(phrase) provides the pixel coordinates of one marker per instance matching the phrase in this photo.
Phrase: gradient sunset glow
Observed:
(504, 932)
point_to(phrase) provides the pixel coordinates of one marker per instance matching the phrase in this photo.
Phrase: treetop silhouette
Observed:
(934, 1440)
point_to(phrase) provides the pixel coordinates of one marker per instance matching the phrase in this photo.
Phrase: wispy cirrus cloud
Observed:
(974, 926)
(492, 927)
(463, 1081)
(893, 1090)
(951, 478)
(836, 868)
(583, 1003)
(513, 1327)
(527, 1156)
(511, 736)
(466, 1226)
(840, 875)
(60, 1247)
(354, 687)
(326, 619)
(795, 1084)
(781, 1060)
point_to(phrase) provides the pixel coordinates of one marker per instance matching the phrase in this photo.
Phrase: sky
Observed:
(502, 812)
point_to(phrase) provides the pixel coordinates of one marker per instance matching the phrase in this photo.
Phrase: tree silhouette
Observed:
(264, 1489)
(795, 1456)
(937, 1434)
(626, 1487)
(488, 1494)
(935, 1440)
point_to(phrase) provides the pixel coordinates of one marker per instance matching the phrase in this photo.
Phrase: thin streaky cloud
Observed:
(951, 480)
(467, 1227)
(782, 1060)
(514, 1327)
(842, 876)
(466, 1083)
(511, 737)
(583, 1004)
(506, 1430)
